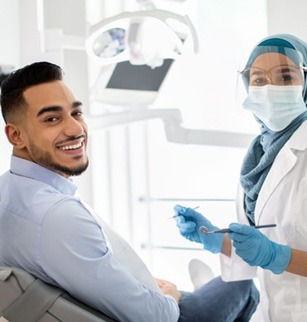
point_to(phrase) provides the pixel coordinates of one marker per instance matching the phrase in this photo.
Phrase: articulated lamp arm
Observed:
(175, 133)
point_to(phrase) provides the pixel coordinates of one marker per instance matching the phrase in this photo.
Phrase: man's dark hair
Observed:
(19, 80)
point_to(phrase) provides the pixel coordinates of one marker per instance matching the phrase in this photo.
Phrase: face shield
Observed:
(271, 65)
(274, 83)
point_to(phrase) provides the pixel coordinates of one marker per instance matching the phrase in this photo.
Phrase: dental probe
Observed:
(181, 215)
(204, 230)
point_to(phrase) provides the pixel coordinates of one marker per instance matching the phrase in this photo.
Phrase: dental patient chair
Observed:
(24, 298)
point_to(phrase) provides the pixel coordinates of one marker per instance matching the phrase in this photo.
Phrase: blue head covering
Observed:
(279, 44)
(263, 150)
(273, 45)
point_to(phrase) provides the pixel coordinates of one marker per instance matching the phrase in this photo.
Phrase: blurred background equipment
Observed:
(4, 71)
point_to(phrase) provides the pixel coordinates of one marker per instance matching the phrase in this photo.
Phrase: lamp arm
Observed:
(175, 133)
(169, 116)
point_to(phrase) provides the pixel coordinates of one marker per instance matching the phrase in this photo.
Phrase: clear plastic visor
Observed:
(268, 65)
(277, 66)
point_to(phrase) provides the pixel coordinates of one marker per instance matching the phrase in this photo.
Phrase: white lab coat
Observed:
(283, 201)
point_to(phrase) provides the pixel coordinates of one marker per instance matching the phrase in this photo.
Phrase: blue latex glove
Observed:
(189, 222)
(257, 250)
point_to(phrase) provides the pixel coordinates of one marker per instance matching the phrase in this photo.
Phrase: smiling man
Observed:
(47, 230)
(52, 133)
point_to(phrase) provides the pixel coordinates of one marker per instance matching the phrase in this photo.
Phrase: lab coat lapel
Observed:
(284, 162)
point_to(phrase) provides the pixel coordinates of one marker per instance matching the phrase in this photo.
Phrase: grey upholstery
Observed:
(18, 289)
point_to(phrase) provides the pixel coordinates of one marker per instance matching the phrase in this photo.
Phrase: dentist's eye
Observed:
(258, 81)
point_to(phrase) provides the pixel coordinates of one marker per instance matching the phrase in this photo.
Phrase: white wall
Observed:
(9, 55)
(287, 17)
(9, 32)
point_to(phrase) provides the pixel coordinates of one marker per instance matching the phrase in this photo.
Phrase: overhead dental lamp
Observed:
(142, 37)
(136, 51)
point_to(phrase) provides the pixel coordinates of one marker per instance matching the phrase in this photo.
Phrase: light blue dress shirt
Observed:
(47, 230)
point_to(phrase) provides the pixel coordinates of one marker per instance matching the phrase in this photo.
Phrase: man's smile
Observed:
(73, 146)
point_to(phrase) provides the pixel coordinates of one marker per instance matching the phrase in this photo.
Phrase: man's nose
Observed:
(73, 127)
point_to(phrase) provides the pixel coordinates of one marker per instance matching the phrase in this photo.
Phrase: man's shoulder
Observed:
(27, 198)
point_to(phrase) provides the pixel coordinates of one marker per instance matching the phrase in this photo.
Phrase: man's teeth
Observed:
(71, 147)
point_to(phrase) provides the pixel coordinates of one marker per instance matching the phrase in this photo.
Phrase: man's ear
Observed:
(14, 135)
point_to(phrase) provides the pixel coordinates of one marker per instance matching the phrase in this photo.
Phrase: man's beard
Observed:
(44, 159)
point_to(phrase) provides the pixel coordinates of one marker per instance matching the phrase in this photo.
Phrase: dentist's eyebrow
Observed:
(56, 108)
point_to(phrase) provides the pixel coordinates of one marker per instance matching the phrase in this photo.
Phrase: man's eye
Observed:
(78, 113)
(51, 119)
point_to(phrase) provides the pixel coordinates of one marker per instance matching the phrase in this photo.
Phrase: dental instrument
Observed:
(181, 215)
(204, 230)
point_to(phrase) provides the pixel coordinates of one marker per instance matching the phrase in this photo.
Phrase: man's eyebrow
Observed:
(56, 108)
(77, 104)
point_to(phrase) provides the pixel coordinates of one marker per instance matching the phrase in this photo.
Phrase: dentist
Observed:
(273, 185)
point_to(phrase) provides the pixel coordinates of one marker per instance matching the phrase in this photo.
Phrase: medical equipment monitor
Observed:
(131, 85)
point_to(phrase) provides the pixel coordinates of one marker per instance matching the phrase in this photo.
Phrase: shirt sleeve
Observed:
(74, 253)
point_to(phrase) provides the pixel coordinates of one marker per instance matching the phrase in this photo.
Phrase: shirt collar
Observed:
(29, 169)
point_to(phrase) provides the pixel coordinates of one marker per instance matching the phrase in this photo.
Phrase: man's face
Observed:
(54, 132)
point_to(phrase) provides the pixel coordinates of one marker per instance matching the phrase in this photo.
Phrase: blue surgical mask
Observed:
(275, 106)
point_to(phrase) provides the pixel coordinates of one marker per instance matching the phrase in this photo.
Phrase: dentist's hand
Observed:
(189, 222)
(257, 250)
